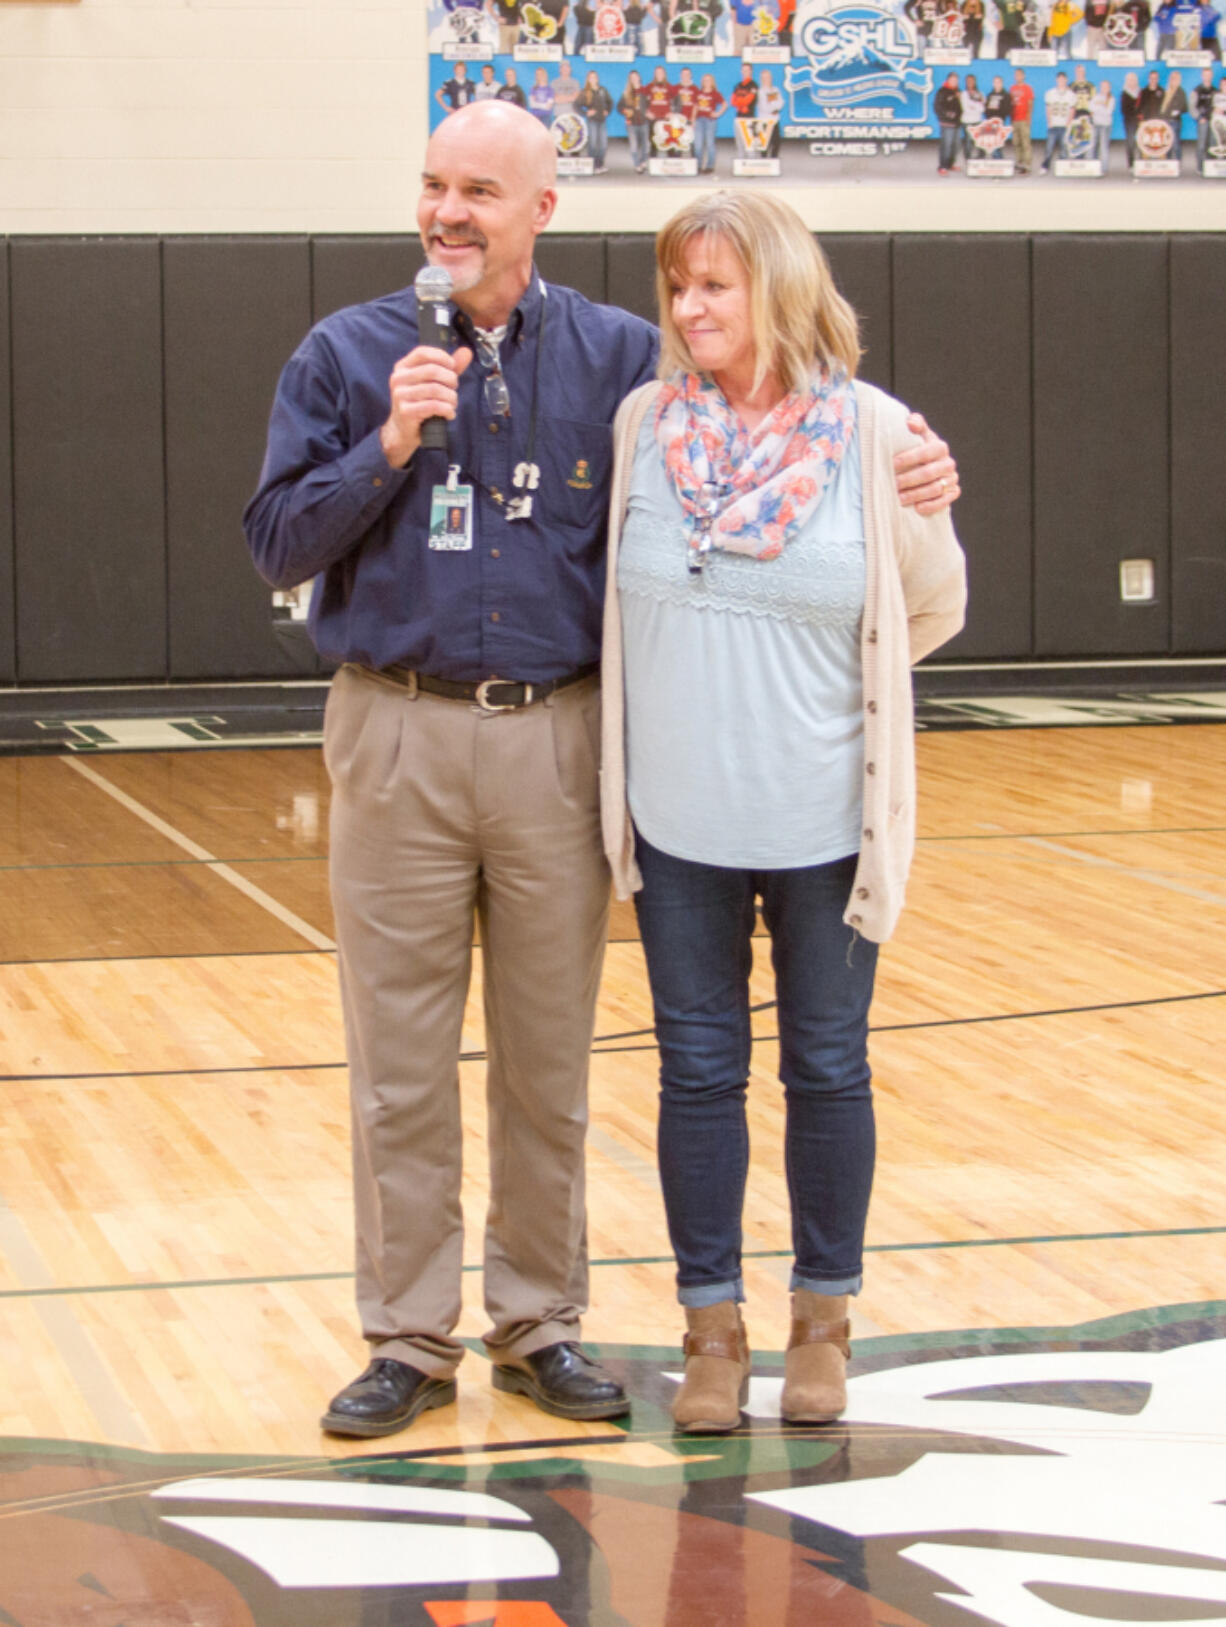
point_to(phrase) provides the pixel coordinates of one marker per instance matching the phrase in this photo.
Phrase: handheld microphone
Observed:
(433, 285)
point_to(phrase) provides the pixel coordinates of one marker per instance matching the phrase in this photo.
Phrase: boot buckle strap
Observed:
(821, 1333)
(724, 1342)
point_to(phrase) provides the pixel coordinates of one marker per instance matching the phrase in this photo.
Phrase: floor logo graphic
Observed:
(1029, 1478)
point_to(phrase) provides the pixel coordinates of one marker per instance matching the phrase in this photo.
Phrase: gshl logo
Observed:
(840, 35)
(858, 56)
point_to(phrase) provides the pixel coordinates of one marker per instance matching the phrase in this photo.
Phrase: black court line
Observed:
(227, 954)
(933, 1246)
(179, 954)
(322, 858)
(601, 1045)
(1072, 835)
(170, 864)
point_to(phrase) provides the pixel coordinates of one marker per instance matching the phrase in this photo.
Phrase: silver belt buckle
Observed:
(484, 704)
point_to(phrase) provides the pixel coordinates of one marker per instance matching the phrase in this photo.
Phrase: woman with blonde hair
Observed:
(768, 593)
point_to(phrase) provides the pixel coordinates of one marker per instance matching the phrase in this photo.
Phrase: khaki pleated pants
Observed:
(439, 811)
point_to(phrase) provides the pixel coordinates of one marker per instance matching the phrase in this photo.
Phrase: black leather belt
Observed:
(491, 694)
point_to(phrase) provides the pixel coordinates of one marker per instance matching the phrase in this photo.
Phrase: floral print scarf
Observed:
(769, 479)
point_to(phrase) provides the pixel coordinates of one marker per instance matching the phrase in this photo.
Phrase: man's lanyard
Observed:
(527, 475)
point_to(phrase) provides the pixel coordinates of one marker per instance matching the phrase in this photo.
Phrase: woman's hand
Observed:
(927, 474)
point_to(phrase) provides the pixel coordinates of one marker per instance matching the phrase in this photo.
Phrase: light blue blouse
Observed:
(744, 730)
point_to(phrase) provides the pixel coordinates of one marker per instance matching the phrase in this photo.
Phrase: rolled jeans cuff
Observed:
(712, 1293)
(828, 1286)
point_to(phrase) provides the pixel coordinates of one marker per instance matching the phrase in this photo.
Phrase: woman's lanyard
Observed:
(527, 474)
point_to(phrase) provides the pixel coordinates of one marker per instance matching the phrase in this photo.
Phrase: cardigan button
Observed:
(855, 920)
(871, 707)
(868, 835)
(861, 892)
(870, 768)
(872, 635)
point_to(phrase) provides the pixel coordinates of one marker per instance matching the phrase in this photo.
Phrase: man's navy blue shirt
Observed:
(525, 602)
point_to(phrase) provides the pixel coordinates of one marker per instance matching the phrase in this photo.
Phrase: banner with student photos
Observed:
(735, 89)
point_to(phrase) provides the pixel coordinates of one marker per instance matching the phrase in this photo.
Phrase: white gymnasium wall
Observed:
(309, 116)
(211, 115)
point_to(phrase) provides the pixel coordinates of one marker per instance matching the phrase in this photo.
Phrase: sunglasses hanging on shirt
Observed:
(497, 396)
(526, 476)
(709, 498)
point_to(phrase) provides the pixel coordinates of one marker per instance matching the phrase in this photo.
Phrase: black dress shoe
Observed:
(383, 1399)
(562, 1380)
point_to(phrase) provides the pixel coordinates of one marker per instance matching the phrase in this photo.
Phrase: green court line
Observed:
(645, 1259)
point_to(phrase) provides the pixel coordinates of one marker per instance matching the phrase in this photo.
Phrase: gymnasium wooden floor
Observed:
(1038, 1416)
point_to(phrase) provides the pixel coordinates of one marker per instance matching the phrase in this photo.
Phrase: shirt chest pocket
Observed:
(575, 462)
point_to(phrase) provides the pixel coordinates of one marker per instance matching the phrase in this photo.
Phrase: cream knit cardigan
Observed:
(915, 599)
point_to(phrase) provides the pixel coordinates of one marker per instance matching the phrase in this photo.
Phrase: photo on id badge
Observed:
(451, 522)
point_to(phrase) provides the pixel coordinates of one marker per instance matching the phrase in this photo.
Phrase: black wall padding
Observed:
(87, 465)
(576, 262)
(1102, 448)
(632, 275)
(962, 357)
(351, 270)
(8, 602)
(861, 267)
(1076, 376)
(234, 310)
(1198, 449)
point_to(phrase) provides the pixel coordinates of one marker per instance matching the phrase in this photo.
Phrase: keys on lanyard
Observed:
(526, 479)
(710, 496)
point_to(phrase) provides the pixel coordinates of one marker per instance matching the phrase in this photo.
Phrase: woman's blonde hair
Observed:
(797, 314)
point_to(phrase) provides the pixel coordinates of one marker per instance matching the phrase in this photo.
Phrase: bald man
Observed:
(461, 741)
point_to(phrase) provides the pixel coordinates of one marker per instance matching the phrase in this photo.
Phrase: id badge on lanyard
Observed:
(451, 515)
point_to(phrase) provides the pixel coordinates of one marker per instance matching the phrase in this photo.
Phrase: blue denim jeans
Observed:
(638, 137)
(704, 143)
(696, 922)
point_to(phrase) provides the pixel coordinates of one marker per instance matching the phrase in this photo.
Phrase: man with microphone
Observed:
(461, 587)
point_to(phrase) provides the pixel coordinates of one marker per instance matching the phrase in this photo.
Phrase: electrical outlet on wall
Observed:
(1137, 581)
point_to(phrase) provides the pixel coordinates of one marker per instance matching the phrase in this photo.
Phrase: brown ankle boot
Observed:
(716, 1370)
(815, 1367)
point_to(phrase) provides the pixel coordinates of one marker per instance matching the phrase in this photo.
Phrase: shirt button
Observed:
(493, 429)
(495, 615)
(495, 553)
(377, 481)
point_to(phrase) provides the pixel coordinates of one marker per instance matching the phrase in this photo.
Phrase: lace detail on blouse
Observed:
(817, 580)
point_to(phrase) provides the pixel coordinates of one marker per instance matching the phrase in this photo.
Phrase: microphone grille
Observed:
(433, 283)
